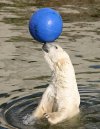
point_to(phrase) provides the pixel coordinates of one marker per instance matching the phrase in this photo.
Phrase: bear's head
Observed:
(55, 56)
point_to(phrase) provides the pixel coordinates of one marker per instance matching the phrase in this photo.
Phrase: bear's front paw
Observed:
(46, 115)
(28, 120)
(50, 117)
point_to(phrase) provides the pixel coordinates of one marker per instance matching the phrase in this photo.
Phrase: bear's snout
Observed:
(45, 47)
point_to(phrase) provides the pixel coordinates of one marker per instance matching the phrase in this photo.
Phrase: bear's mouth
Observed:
(45, 47)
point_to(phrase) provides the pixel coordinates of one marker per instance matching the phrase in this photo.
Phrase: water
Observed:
(24, 75)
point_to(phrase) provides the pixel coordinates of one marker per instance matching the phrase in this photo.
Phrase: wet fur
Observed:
(61, 99)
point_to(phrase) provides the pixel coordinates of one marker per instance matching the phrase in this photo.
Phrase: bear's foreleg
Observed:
(56, 117)
(45, 106)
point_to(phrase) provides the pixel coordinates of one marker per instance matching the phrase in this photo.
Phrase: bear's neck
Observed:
(64, 78)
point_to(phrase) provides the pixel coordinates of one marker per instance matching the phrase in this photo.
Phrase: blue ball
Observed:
(45, 25)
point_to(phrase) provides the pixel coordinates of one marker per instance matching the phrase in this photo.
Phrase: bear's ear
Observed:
(61, 63)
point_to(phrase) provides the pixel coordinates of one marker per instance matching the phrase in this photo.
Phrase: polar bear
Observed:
(61, 99)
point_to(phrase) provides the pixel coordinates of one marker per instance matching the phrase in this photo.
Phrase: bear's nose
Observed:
(45, 47)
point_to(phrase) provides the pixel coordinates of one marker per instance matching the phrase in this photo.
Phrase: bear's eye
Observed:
(56, 47)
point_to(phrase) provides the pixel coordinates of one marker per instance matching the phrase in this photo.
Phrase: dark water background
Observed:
(24, 73)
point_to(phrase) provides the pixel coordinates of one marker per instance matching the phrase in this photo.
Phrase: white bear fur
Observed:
(61, 99)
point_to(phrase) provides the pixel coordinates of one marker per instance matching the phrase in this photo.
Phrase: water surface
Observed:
(24, 75)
